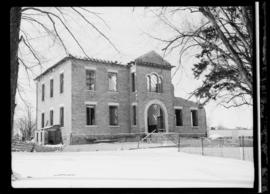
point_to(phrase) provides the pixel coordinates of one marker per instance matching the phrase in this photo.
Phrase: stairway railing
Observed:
(147, 136)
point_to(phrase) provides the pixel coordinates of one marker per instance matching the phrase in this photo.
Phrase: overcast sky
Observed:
(129, 31)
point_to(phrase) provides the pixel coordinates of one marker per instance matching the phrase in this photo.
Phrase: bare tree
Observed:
(26, 124)
(49, 20)
(224, 43)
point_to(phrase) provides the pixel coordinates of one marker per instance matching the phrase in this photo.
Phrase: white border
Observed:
(90, 68)
(90, 102)
(113, 104)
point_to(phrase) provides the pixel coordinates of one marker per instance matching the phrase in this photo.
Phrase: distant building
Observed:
(91, 98)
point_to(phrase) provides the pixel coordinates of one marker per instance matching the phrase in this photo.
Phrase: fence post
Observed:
(179, 143)
(202, 145)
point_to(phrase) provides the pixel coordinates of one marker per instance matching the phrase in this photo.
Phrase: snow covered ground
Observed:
(159, 167)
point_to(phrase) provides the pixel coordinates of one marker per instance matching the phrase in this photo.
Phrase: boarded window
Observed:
(178, 117)
(42, 120)
(61, 82)
(90, 79)
(43, 92)
(61, 116)
(194, 117)
(112, 81)
(51, 88)
(113, 112)
(90, 115)
(134, 115)
(51, 117)
(133, 81)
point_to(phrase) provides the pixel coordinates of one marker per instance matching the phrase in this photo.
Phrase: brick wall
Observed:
(101, 96)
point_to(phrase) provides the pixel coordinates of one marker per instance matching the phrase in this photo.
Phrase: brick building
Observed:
(90, 99)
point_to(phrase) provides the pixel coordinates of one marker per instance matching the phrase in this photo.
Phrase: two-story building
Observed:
(91, 98)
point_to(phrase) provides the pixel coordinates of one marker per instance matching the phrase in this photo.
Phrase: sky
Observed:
(131, 30)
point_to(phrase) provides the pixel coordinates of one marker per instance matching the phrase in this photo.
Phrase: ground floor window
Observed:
(194, 117)
(90, 115)
(61, 116)
(42, 120)
(51, 117)
(113, 114)
(179, 117)
(134, 114)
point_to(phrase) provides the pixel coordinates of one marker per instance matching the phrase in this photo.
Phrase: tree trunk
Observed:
(15, 20)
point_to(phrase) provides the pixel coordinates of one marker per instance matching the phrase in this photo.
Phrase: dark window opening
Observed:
(178, 116)
(90, 115)
(61, 83)
(42, 120)
(51, 117)
(194, 114)
(113, 115)
(90, 79)
(133, 81)
(51, 88)
(134, 115)
(43, 92)
(61, 116)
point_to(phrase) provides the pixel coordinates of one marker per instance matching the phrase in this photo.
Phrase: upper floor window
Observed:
(51, 87)
(134, 114)
(90, 79)
(194, 117)
(61, 82)
(133, 81)
(112, 81)
(43, 92)
(154, 83)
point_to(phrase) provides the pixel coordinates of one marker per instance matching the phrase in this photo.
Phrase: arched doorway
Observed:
(156, 117)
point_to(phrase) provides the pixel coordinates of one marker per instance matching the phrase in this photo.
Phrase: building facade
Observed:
(90, 99)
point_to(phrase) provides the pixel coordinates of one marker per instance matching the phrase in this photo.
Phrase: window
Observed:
(61, 116)
(194, 117)
(51, 117)
(113, 115)
(90, 115)
(51, 88)
(154, 83)
(42, 120)
(43, 92)
(178, 117)
(90, 79)
(133, 81)
(134, 114)
(112, 81)
(61, 83)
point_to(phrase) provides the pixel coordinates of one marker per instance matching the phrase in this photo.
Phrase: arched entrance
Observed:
(156, 117)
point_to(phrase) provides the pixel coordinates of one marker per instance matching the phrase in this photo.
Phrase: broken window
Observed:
(154, 83)
(112, 81)
(90, 115)
(194, 117)
(113, 112)
(90, 79)
(178, 117)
